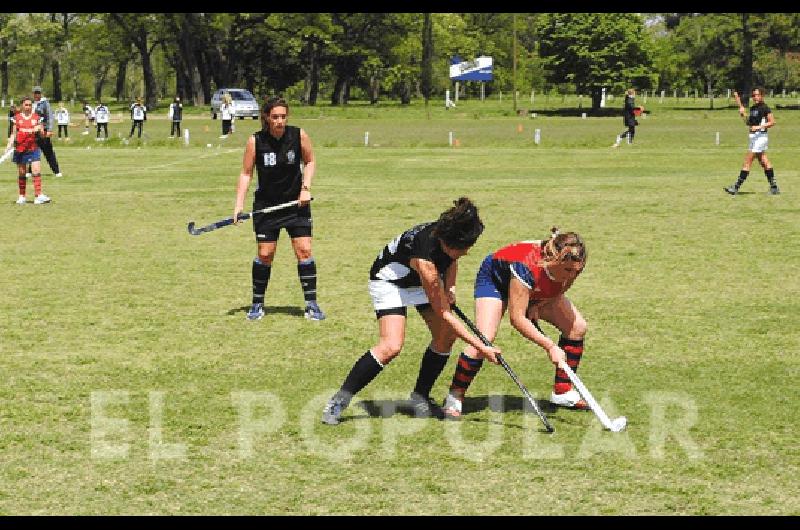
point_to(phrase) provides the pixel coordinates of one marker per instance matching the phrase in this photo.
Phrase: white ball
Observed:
(618, 424)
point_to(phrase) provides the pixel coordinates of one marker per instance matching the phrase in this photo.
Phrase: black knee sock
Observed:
(742, 177)
(260, 280)
(466, 370)
(429, 370)
(770, 173)
(361, 374)
(307, 271)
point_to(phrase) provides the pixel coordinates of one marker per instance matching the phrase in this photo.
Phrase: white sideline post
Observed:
(186, 137)
(716, 141)
(537, 136)
(366, 138)
(450, 138)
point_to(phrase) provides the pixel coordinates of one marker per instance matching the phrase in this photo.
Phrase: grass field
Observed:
(132, 383)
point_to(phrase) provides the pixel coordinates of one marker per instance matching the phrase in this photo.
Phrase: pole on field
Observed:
(716, 140)
(456, 98)
(583, 115)
(366, 138)
(661, 99)
(186, 137)
(533, 94)
(450, 138)
(537, 136)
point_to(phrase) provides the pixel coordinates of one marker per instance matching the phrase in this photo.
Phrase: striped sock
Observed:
(37, 183)
(574, 351)
(307, 271)
(466, 370)
(260, 279)
(22, 182)
(429, 370)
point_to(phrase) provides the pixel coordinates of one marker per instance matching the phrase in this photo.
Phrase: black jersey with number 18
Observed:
(393, 263)
(279, 166)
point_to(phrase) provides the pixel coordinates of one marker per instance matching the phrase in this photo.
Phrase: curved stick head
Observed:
(191, 228)
(618, 424)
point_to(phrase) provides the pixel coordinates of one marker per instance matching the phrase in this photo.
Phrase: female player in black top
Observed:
(629, 113)
(284, 159)
(418, 268)
(758, 121)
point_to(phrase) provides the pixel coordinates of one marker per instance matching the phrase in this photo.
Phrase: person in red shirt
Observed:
(27, 126)
(528, 279)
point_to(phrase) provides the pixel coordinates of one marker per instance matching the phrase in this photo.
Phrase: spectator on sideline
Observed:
(42, 108)
(629, 113)
(529, 279)
(227, 113)
(418, 268)
(758, 121)
(62, 118)
(176, 115)
(284, 160)
(103, 115)
(28, 126)
(138, 116)
(88, 117)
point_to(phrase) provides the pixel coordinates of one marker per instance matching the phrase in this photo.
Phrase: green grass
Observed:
(109, 306)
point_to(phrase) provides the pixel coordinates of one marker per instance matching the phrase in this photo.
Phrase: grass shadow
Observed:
(269, 310)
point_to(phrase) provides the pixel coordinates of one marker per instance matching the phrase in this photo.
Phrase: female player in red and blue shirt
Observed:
(529, 280)
(27, 125)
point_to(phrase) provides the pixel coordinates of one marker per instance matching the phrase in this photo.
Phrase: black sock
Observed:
(742, 177)
(361, 374)
(429, 369)
(770, 173)
(307, 271)
(260, 280)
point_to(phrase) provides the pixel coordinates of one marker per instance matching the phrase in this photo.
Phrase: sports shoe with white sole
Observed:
(425, 407)
(452, 407)
(313, 311)
(570, 399)
(333, 409)
(256, 312)
(731, 189)
(774, 191)
(22, 200)
(41, 199)
(59, 174)
(28, 175)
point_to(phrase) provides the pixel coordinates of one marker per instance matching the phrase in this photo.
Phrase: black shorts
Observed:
(296, 221)
(400, 310)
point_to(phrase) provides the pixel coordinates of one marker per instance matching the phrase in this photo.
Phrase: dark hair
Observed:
(459, 227)
(274, 101)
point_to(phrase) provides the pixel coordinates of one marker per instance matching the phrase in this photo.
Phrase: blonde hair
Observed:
(564, 246)
(226, 98)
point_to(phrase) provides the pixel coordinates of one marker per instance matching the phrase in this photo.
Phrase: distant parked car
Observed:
(244, 102)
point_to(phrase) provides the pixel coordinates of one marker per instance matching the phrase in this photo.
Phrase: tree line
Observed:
(397, 56)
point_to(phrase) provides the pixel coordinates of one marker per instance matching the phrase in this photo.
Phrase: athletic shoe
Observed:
(425, 407)
(224, 136)
(41, 199)
(256, 312)
(59, 174)
(774, 191)
(313, 312)
(28, 175)
(22, 200)
(333, 409)
(571, 400)
(615, 145)
(452, 407)
(731, 189)
(85, 132)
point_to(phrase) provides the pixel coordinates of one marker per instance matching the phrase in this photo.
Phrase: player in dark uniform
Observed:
(629, 113)
(418, 268)
(284, 159)
(530, 279)
(758, 121)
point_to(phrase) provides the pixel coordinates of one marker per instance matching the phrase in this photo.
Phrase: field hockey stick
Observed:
(614, 425)
(505, 365)
(242, 217)
(7, 155)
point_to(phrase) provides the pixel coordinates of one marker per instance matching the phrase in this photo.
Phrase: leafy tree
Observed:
(596, 50)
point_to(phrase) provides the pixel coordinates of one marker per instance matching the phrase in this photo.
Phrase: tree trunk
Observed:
(313, 88)
(336, 96)
(747, 60)
(98, 85)
(56, 95)
(597, 97)
(374, 89)
(405, 92)
(122, 70)
(4, 78)
(205, 78)
(427, 56)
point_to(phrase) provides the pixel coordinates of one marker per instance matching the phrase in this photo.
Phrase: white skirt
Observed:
(758, 142)
(386, 295)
